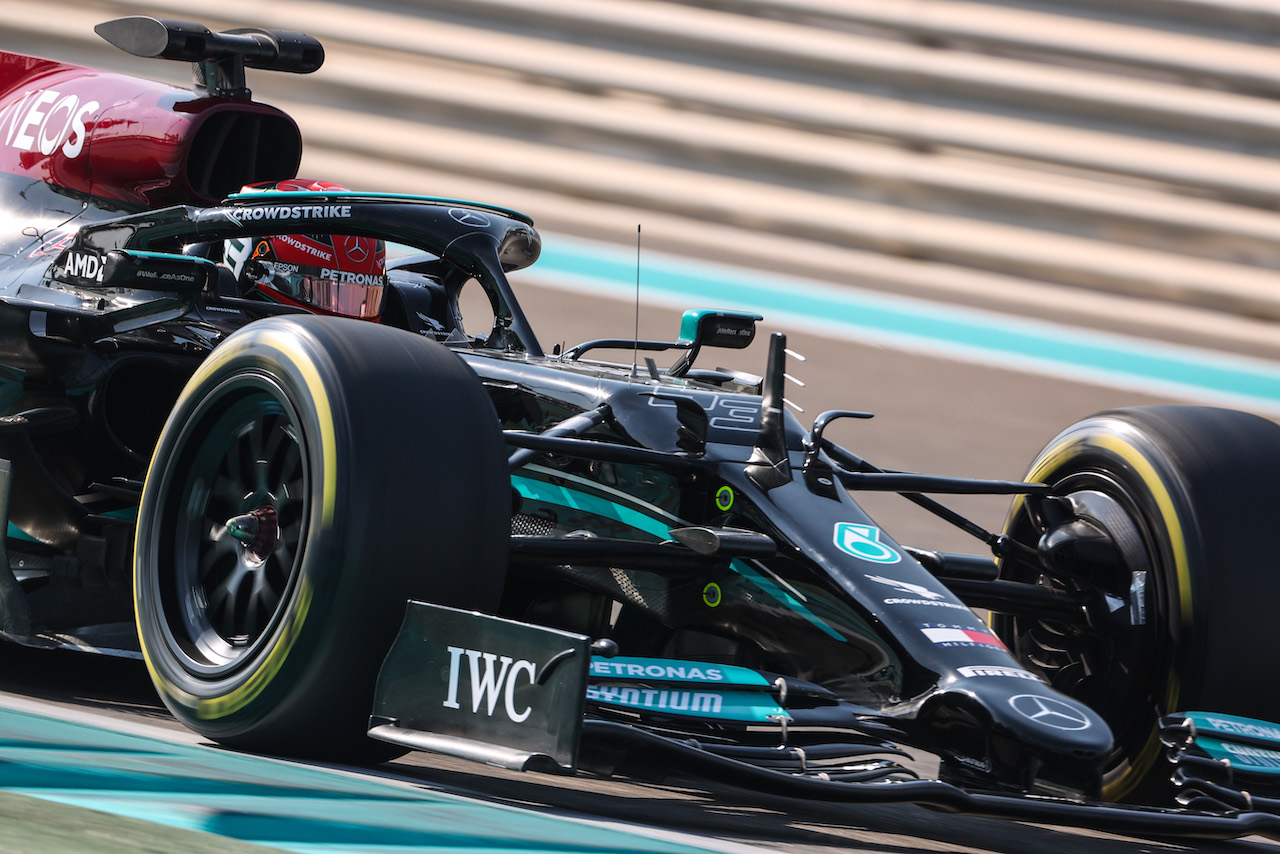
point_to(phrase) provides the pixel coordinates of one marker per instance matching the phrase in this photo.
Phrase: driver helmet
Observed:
(336, 274)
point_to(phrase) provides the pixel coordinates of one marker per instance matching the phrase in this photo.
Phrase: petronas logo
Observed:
(863, 541)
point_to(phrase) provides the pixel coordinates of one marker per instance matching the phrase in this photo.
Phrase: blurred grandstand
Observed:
(1030, 155)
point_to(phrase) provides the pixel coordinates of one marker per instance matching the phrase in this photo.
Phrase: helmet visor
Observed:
(347, 294)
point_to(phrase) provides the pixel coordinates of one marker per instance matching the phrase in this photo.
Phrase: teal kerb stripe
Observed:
(550, 493)
(984, 336)
(283, 806)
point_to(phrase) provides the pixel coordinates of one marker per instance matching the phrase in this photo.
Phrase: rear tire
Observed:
(314, 475)
(1189, 495)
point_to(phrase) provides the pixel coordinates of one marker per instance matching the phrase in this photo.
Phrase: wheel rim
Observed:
(234, 532)
(1102, 659)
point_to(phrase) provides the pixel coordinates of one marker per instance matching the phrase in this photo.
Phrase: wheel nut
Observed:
(244, 528)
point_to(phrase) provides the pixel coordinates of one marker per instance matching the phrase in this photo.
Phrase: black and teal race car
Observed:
(343, 538)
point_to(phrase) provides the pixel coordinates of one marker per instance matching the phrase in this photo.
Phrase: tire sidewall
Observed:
(1198, 482)
(1108, 448)
(364, 554)
(298, 372)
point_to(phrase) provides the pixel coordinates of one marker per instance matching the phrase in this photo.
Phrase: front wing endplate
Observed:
(483, 688)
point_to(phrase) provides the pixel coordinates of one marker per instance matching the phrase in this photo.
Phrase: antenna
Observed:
(635, 353)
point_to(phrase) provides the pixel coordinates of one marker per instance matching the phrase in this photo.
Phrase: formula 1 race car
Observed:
(337, 523)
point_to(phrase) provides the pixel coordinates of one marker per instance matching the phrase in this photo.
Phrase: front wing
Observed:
(531, 698)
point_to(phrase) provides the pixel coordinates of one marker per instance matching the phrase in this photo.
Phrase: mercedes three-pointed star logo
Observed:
(1049, 712)
(356, 249)
(467, 217)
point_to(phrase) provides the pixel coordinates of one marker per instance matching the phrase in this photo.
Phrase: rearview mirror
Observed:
(706, 327)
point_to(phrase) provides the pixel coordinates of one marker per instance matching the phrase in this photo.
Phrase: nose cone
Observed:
(1043, 719)
(1029, 713)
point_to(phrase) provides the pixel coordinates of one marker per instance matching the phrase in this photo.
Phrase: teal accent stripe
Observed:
(1005, 340)
(356, 195)
(538, 490)
(693, 701)
(624, 669)
(550, 493)
(1243, 757)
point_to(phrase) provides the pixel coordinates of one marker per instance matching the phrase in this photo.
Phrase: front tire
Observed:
(1186, 497)
(314, 475)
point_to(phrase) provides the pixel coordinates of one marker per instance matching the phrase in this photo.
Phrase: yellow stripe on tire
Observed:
(288, 347)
